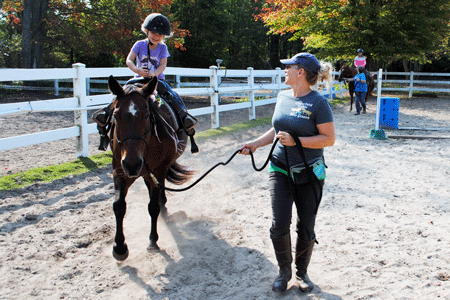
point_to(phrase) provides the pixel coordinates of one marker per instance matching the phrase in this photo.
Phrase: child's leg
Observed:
(102, 116)
(174, 100)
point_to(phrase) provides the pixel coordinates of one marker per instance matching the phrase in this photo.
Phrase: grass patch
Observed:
(425, 94)
(99, 161)
(233, 128)
(48, 174)
(337, 101)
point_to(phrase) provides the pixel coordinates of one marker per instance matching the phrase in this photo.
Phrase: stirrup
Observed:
(189, 122)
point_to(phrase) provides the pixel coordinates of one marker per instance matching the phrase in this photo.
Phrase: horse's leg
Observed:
(154, 209)
(120, 248)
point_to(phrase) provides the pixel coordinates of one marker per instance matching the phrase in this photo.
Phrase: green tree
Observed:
(99, 33)
(10, 40)
(207, 22)
(220, 29)
(388, 30)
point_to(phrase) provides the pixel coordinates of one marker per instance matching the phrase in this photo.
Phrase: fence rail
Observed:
(214, 82)
(82, 102)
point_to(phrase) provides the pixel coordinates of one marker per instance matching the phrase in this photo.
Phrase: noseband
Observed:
(136, 137)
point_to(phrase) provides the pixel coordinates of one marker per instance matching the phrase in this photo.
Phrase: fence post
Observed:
(330, 85)
(56, 87)
(379, 83)
(278, 80)
(88, 86)
(79, 91)
(214, 84)
(251, 94)
(411, 84)
(274, 81)
(176, 81)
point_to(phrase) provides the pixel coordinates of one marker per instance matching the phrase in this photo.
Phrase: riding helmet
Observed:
(157, 23)
(360, 50)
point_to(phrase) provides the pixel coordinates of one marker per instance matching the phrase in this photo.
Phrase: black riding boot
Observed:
(189, 122)
(283, 253)
(102, 117)
(303, 254)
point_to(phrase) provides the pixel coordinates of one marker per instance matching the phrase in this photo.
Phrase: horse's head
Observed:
(132, 124)
(345, 72)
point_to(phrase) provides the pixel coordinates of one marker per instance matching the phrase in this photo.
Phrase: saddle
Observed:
(173, 117)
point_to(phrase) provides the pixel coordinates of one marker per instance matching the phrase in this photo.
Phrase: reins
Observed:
(215, 166)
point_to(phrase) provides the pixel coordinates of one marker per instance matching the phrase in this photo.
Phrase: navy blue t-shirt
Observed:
(300, 115)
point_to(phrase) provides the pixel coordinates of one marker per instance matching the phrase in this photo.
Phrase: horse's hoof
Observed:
(121, 257)
(153, 246)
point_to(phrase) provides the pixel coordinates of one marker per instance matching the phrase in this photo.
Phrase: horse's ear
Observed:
(150, 87)
(114, 86)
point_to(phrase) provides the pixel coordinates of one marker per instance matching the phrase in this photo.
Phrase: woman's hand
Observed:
(250, 146)
(285, 138)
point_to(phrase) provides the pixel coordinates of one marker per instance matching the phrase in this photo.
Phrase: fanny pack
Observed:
(300, 176)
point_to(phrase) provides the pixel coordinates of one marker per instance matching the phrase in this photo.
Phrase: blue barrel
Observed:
(389, 108)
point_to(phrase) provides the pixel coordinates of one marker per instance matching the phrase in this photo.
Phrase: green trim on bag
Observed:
(318, 169)
(273, 168)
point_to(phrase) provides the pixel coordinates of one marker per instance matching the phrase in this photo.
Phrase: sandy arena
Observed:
(383, 225)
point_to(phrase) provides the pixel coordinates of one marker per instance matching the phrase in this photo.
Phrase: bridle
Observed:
(133, 137)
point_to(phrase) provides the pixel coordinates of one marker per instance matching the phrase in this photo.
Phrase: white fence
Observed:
(413, 84)
(81, 102)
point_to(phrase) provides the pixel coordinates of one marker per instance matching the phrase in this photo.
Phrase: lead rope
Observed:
(155, 180)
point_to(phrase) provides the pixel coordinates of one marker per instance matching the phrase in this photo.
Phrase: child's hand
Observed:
(144, 72)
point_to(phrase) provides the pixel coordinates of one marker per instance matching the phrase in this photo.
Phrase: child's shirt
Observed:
(360, 61)
(149, 58)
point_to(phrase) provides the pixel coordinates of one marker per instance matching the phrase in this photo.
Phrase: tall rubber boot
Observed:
(102, 117)
(303, 254)
(283, 253)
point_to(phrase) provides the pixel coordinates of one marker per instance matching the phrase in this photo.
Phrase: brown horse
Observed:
(145, 144)
(349, 72)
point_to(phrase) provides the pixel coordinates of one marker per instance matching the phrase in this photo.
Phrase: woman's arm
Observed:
(263, 140)
(325, 138)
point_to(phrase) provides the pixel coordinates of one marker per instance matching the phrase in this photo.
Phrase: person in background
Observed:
(308, 115)
(151, 56)
(360, 59)
(360, 90)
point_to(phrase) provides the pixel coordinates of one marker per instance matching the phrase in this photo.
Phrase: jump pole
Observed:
(378, 133)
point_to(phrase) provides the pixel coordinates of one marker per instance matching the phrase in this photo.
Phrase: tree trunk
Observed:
(33, 32)
(26, 34)
(274, 48)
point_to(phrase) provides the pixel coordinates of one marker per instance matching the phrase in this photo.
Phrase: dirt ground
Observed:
(382, 226)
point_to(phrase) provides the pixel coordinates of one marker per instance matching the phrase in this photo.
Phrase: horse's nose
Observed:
(132, 169)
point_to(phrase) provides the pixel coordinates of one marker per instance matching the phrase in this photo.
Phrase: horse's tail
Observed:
(177, 174)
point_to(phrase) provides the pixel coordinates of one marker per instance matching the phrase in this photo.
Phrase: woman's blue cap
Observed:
(307, 60)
